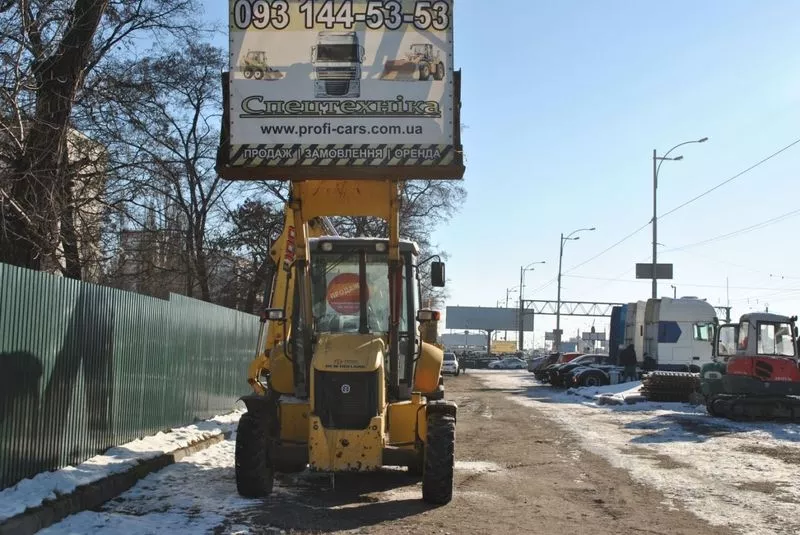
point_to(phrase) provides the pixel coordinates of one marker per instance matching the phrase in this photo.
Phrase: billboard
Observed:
(326, 89)
(480, 318)
(503, 346)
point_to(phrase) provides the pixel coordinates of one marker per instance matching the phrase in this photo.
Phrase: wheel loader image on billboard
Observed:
(423, 62)
(255, 66)
(336, 60)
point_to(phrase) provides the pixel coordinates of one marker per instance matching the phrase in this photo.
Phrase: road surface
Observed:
(516, 472)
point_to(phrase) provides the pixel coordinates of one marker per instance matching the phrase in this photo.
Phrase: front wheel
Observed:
(437, 476)
(254, 470)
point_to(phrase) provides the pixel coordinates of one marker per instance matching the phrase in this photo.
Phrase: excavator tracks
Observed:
(755, 408)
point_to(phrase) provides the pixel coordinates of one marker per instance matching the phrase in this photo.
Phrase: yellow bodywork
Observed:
(407, 422)
(429, 369)
(294, 420)
(345, 449)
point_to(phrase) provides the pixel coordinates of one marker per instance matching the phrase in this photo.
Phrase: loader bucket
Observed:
(400, 70)
(273, 75)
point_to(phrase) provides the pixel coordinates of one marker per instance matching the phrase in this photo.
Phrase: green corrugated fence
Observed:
(85, 367)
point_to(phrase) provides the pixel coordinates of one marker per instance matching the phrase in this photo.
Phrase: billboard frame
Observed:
(450, 166)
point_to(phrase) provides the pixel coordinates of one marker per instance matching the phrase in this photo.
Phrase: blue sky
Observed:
(564, 103)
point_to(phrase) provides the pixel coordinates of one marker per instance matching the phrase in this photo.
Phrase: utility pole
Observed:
(557, 334)
(521, 318)
(657, 160)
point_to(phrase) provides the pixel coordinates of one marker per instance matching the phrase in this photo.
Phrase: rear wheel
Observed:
(437, 477)
(248, 72)
(254, 470)
(424, 72)
(439, 74)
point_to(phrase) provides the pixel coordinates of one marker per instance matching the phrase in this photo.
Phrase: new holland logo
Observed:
(345, 389)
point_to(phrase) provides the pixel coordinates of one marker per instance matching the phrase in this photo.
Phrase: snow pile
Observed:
(610, 394)
(195, 495)
(33, 492)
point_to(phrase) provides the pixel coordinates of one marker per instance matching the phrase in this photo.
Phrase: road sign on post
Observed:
(645, 271)
(593, 337)
(341, 90)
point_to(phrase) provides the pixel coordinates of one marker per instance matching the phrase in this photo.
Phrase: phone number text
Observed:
(379, 14)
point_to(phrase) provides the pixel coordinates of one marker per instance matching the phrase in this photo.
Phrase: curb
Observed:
(95, 494)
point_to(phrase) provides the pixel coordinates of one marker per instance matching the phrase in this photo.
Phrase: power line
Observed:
(692, 285)
(734, 233)
(604, 251)
(731, 179)
(690, 201)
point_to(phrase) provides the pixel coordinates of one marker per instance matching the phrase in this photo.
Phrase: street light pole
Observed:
(557, 334)
(674, 291)
(657, 160)
(508, 291)
(521, 319)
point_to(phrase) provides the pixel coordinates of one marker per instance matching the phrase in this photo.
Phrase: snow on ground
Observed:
(194, 495)
(744, 475)
(48, 485)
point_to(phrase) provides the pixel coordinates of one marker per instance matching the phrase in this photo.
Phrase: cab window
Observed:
(703, 332)
(775, 339)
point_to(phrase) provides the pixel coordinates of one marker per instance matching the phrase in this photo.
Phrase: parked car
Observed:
(542, 362)
(450, 364)
(512, 363)
(561, 375)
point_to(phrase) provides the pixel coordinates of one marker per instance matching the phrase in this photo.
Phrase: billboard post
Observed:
(341, 89)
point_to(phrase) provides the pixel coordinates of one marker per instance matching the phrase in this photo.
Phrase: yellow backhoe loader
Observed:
(350, 377)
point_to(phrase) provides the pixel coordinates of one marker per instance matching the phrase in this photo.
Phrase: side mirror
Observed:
(313, 54)
(273, 314)
(437, 274)
(362, 53)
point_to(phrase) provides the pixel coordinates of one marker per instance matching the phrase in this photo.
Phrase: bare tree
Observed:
(49, 49)
(161, 116)
(256, 225)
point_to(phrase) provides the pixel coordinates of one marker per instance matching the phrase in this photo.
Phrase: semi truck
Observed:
(677, 334)
(336, 60)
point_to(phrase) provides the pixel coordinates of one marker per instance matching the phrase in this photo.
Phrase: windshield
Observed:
(347, 53)
(336, 292)
(775, 339)
(449, 356)
(418, 49)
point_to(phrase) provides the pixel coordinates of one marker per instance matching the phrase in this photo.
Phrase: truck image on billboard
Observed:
(355, 84)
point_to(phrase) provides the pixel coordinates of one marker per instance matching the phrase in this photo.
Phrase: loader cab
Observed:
(350, 294)
(768, 335)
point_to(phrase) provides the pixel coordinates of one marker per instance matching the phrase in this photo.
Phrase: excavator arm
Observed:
(281, 295)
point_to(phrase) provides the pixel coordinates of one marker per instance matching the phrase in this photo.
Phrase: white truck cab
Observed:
(336, 60)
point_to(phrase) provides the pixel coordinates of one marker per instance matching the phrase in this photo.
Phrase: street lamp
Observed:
(656, 167)
(557, 336)
(674, 291)
(522, 270)
(508, 291)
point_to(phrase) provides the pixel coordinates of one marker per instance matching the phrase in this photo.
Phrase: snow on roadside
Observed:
(33, 492)
(742, 475)
(195, 495)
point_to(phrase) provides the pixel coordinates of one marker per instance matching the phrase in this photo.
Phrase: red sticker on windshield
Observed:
(343, 294)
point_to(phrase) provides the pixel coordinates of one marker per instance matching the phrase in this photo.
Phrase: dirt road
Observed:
(516, 473)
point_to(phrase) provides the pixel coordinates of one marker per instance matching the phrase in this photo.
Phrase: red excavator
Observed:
(756, 373)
